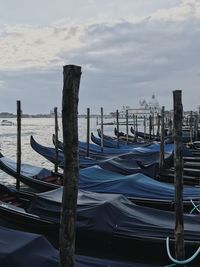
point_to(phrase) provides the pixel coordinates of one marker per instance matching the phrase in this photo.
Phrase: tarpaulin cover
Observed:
(26, 169)
(114, 214)
(24, 249)
(136, 150)
(123, 164)
(96, 179)
(108, 142)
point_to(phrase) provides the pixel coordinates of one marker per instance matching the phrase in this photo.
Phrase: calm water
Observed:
(41, 129)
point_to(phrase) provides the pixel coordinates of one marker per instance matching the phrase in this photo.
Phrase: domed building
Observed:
(153, 104)
(145, 108)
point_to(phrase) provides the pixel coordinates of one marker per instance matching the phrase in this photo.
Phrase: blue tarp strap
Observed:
(177, 261)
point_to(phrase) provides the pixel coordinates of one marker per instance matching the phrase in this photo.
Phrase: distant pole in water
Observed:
(136, 128)
(153, 129)
(102, 130)
(196, 127)
(150, 127)
(158, 124)
(191, 122)
(134, 125)
(88, 132)
(145, 127)
(126, 125)
(178, 175)
(71, 82)
(162, 140)
(56, 139)
(117, 119)
(18, 144)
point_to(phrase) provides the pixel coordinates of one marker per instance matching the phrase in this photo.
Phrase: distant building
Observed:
(145, 108)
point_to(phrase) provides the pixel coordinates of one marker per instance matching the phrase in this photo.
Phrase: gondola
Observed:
(129, 163)
(19, 248)
(113, 143)
(122, 139)
(109, 219)
(126, 151)
(147, 136)
(138, 188)
(38, 178)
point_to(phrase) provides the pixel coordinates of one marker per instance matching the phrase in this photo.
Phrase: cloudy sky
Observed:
(127, 49)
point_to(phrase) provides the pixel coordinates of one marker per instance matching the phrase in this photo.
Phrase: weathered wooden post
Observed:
(88, 132)
(196, 127)
(153, 126)
(56, 139)
(126, 125)
(18, 144)
(136, 129)
(162, 140)
(71, 82)
(102, 143)
(117, 120)
(145, 128)
(150, 127)
(158, 124)
(134, 124)
(191, 128)
(178, 175)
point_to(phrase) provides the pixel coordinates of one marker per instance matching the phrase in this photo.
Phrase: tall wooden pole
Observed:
(162, 140)
(196, 127)
(178, 175)
(56, 139)
(18, 144)
(88, 131)
(145, 128)
(117, 119)
(158, 124)
(153, 129)
(71, 82)
(150, 127)
(126, 125)
(102, 143)
(136, 131)
(191, 132)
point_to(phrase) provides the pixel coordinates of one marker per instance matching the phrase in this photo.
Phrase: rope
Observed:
(195, 207)
(177, 261)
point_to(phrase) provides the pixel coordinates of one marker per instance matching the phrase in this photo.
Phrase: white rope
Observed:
(177, 261)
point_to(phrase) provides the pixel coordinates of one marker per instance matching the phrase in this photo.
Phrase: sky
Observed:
(127, 49)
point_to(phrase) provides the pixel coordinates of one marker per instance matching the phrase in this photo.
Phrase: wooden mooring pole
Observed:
(191, 126)
(126, 125)
(117, 120)
(88, 132)
(71, 82)
(178, 175)
(56, 139)
(162, 140)
(150, 127)
(18, 144)
(102, 143)
(145, 128)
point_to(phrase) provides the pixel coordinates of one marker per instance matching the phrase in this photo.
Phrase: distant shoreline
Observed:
(6, 115)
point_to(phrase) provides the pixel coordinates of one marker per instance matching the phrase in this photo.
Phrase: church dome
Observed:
(153, 103)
